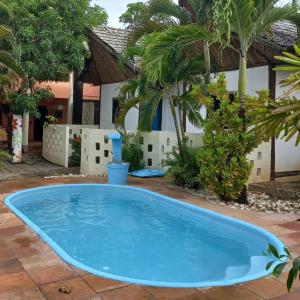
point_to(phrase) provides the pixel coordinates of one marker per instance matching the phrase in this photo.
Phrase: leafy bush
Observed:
(75, 158)
(280, 261)
(184, 171)
(132, 152)
(224, 168)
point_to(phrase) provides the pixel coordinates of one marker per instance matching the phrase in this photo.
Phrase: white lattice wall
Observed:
(96, 151)
(260, 159)
(158, 144)
(57, 142)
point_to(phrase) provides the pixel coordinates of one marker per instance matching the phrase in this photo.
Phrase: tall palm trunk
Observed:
(242, 80)
(174, 115)
(243, 198)
(207, 61)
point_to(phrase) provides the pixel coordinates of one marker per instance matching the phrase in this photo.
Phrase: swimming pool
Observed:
(137, 236)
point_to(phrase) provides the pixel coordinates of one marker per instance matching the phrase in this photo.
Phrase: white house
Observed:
(103, 69)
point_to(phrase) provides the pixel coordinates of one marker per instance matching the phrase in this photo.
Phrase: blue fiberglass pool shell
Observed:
(138, 236)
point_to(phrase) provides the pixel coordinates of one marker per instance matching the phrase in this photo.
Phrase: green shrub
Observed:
(132, 152)
(75, 158)
(224, 168)
(184, 171)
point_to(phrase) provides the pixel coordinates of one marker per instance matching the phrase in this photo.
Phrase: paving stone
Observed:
(230, 293)
(33, 294)
(128, 293)
(266, 288)
(79, 290)
(42, 276)
(100, 284)
(175, 294)
(15, 282)
(10, 266)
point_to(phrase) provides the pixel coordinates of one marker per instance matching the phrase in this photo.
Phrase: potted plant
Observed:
(117, 171)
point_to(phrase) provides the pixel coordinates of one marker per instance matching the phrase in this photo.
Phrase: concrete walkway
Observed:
(33, 166)
(29, 268)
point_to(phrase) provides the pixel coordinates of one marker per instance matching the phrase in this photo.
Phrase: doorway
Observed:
(158, 118)
(39, 123)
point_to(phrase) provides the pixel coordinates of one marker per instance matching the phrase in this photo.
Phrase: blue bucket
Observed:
(117, 173)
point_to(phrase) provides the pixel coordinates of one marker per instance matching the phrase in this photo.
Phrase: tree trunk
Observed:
(17, 155)
(243, 198)
(173, 111)
(207, 63)
(242, 78)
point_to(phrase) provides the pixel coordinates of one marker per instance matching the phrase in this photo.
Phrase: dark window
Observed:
(97, 160)
(58, 114)
(97, 146)
(150, 148)
(149, 162)
(115, 109)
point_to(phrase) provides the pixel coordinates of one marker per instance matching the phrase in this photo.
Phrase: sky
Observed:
(115, 8)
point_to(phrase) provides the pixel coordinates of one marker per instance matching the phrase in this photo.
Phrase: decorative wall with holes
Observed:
(57, 142)
(96, 151)
(260, 159)
(158, 145)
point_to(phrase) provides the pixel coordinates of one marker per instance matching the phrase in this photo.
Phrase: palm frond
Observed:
(168, 43)
(7, 61)
(5, 33)
(169, 8)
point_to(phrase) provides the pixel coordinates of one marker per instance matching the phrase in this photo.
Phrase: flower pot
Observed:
(117, 173)
(17, 139)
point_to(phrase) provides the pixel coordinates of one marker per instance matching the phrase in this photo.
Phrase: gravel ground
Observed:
(257, 202)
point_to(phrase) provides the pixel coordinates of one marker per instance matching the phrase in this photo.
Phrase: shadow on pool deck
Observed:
(29, 269)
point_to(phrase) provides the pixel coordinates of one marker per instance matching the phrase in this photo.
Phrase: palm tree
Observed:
(146, 96)
(167, 14)
(8, 63)
(282, 117)
(10, 72)
(248, 21)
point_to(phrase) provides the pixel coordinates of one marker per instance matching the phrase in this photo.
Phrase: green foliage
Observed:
(281, 117)
(132, 152)
(133, 15)
(280, 261)
(28, 102)
(224, 168)
(50, 120)
(75, 158)
(185, 170)
(10, 72)
(51, 35)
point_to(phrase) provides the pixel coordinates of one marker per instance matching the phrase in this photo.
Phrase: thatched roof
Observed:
(106, 44)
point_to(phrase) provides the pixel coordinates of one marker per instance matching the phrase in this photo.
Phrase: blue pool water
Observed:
(141, 237)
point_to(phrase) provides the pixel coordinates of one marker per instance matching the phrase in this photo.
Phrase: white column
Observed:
(70, 102)
(25, 132)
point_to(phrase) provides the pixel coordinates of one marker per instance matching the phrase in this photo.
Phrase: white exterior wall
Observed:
(257, 79)
(108, 92)
(57, 139)
(287, 154)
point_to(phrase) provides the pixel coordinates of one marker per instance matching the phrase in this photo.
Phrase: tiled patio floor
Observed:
(29, 269)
